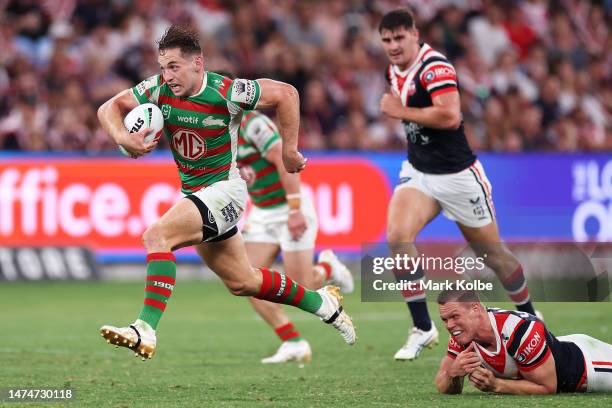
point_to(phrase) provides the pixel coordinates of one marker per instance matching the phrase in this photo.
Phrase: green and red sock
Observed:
(287, 332)
(279, 288)
(161, 275)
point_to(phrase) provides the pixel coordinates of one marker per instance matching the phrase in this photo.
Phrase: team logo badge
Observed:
(212, 121)
(411, 88)
(429, 76)
(188, 144)
(166, 111)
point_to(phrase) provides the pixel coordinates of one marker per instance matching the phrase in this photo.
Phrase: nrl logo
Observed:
(166, 111)
(212, 121)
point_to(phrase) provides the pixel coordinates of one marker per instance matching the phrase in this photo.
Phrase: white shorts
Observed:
(270, 226)
(465, 197)
(598, 358)
(226, 201)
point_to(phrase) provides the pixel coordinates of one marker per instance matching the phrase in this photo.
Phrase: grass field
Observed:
(210, 343)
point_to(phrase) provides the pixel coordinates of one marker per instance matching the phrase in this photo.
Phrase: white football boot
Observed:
(340, 275)
(290, 351)
(331, 312)
(417, 340)
(138, 337)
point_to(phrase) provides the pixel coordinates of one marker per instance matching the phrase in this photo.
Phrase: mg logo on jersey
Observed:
(188, 144)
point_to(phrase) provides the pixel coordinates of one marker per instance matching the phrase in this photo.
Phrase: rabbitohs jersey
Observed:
(202, 129)
(257, 134)
(522, 344)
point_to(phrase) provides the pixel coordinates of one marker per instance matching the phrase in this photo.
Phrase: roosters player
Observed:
(442, 174)
(513, 352)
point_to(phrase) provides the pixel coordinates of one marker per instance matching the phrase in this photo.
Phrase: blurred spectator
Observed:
(519, 31)
(488, 33)
(534, 74)
(507, 74)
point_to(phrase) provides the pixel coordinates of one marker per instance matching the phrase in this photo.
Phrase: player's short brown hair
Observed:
(463, 296)
(397, 19)
(182, 37)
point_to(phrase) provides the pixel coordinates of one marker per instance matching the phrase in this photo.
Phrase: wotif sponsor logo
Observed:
(192, 120)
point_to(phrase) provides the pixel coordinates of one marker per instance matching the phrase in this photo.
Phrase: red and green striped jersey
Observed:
(257, 134)
(202, 129)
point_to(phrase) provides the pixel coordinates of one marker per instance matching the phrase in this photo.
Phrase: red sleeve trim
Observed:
(539, 363)
(227, 82)
(451, 355)
(443, 91)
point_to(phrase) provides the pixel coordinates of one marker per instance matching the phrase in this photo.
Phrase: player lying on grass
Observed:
(512, 352)
(282, 218)
(202, 112)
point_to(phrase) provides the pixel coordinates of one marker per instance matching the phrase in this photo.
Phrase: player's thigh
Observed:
(228, 260)
(261, 254)
(299, 266)
(180, 226)
(410, 210)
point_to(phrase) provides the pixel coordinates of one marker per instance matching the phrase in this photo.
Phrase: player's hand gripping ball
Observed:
(145, 116)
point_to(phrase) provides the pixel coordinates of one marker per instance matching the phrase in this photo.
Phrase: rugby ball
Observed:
(143, 116)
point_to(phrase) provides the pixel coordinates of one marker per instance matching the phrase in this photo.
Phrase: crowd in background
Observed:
(533, 74)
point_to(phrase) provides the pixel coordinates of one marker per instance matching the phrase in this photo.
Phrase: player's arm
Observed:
(541, 380)
(444, 114)
(111, 114)
(291, 183)
(458, 362)
(285, 99)
(447, 381)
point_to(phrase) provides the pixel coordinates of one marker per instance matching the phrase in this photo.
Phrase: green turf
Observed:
(210, 343)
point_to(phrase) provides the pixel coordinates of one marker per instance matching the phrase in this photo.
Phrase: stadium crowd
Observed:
(534, 74)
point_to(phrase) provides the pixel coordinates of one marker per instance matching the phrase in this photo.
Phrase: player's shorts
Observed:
(226, 202)
(598, 359)
(270, 226)
(465, 197)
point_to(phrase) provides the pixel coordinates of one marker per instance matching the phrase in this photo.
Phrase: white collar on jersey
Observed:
(204, 82)
(497, 339)
(424, 48)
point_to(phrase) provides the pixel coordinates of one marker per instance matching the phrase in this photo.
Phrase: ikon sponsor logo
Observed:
(439, 72)
(188, 144)
(531, 346)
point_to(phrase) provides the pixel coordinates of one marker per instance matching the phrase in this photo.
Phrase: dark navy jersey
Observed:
(436, 151)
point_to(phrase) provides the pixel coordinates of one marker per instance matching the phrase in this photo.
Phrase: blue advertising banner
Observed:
(105, 202)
